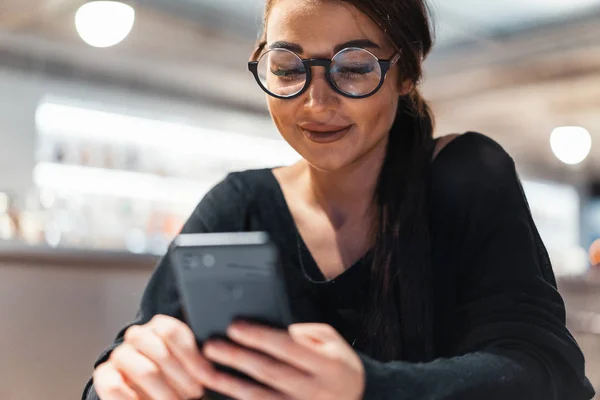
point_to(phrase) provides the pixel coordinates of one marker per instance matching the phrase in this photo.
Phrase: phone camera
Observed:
(208, 260)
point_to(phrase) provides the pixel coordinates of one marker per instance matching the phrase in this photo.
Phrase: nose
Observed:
(320, 96)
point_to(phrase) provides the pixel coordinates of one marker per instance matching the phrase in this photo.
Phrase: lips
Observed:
(324, 133)
(319, 128)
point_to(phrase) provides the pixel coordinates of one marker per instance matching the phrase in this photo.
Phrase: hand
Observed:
(158, 360)
(310, 361)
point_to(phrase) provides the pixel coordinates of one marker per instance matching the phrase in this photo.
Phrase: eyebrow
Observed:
(296, 48)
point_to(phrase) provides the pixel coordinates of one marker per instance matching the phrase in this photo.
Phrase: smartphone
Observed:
(223, 277)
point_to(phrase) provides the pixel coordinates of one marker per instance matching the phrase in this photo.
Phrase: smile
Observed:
(325, 136)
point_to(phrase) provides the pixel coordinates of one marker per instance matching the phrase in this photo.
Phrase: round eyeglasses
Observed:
(353, 72)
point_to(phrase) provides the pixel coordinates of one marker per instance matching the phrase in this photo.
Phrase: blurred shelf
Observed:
(588, 281)
(57, 120)
(75, 179)
(584, 321)
(15, 252)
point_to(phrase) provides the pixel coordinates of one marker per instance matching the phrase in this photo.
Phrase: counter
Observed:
(59, 308)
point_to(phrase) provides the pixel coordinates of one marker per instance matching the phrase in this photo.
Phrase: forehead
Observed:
(319, 25)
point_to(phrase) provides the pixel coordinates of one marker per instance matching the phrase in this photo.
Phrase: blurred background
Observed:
(116, 118)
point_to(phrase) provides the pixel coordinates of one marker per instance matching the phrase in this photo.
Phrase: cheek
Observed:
(283, 114)
(375, 116)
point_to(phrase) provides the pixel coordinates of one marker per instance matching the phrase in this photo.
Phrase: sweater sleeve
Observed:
(512, 342)
(221, 210)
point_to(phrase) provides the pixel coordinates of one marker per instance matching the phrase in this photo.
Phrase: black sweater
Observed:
(499, 323)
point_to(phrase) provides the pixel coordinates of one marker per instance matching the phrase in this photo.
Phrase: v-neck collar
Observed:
(304, 257)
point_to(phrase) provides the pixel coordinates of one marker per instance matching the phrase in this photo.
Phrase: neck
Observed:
(346, 193)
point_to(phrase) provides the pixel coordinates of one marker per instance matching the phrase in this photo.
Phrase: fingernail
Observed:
(209, 351)
(212, 347)
(236, 329)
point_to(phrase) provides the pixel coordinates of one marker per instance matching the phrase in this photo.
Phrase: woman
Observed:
(415, 268)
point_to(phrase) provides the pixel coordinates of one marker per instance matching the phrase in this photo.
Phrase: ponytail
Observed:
(401, 275)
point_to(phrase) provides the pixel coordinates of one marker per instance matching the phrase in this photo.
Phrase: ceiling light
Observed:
(104, 23)
(571, 144)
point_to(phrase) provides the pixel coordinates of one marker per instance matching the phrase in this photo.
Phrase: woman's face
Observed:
(318, 27)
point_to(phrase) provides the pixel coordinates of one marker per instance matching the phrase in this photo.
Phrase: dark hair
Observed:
(398, 317)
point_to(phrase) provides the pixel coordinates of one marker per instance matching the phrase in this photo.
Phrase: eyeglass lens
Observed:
(353, 71)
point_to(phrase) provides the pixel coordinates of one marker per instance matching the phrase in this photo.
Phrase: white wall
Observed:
(18, 98)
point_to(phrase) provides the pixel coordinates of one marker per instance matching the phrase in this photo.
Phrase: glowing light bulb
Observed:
(571, 144)
(104, 23)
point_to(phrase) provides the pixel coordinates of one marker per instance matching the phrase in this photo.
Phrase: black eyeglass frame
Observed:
(384, 65)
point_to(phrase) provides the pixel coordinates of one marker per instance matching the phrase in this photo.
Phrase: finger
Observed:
(181, 342)
(318, 337)
(109, 384)
(271, 372)
(143, 373)
(239, 389)
(276, 343)
(154, 348)
(318, 332)
(140, 393)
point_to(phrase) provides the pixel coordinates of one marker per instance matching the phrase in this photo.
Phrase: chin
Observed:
(333, 156)
(327, 161)
(326, 167)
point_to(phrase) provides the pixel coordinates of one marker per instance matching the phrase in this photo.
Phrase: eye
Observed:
(286, 72)
(354, 71)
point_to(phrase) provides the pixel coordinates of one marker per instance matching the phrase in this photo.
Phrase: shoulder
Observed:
(470, 160)
(226, 205)
(473, 174)
(474, 192)
(442, 142)
(252, 184)
(240, 186)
